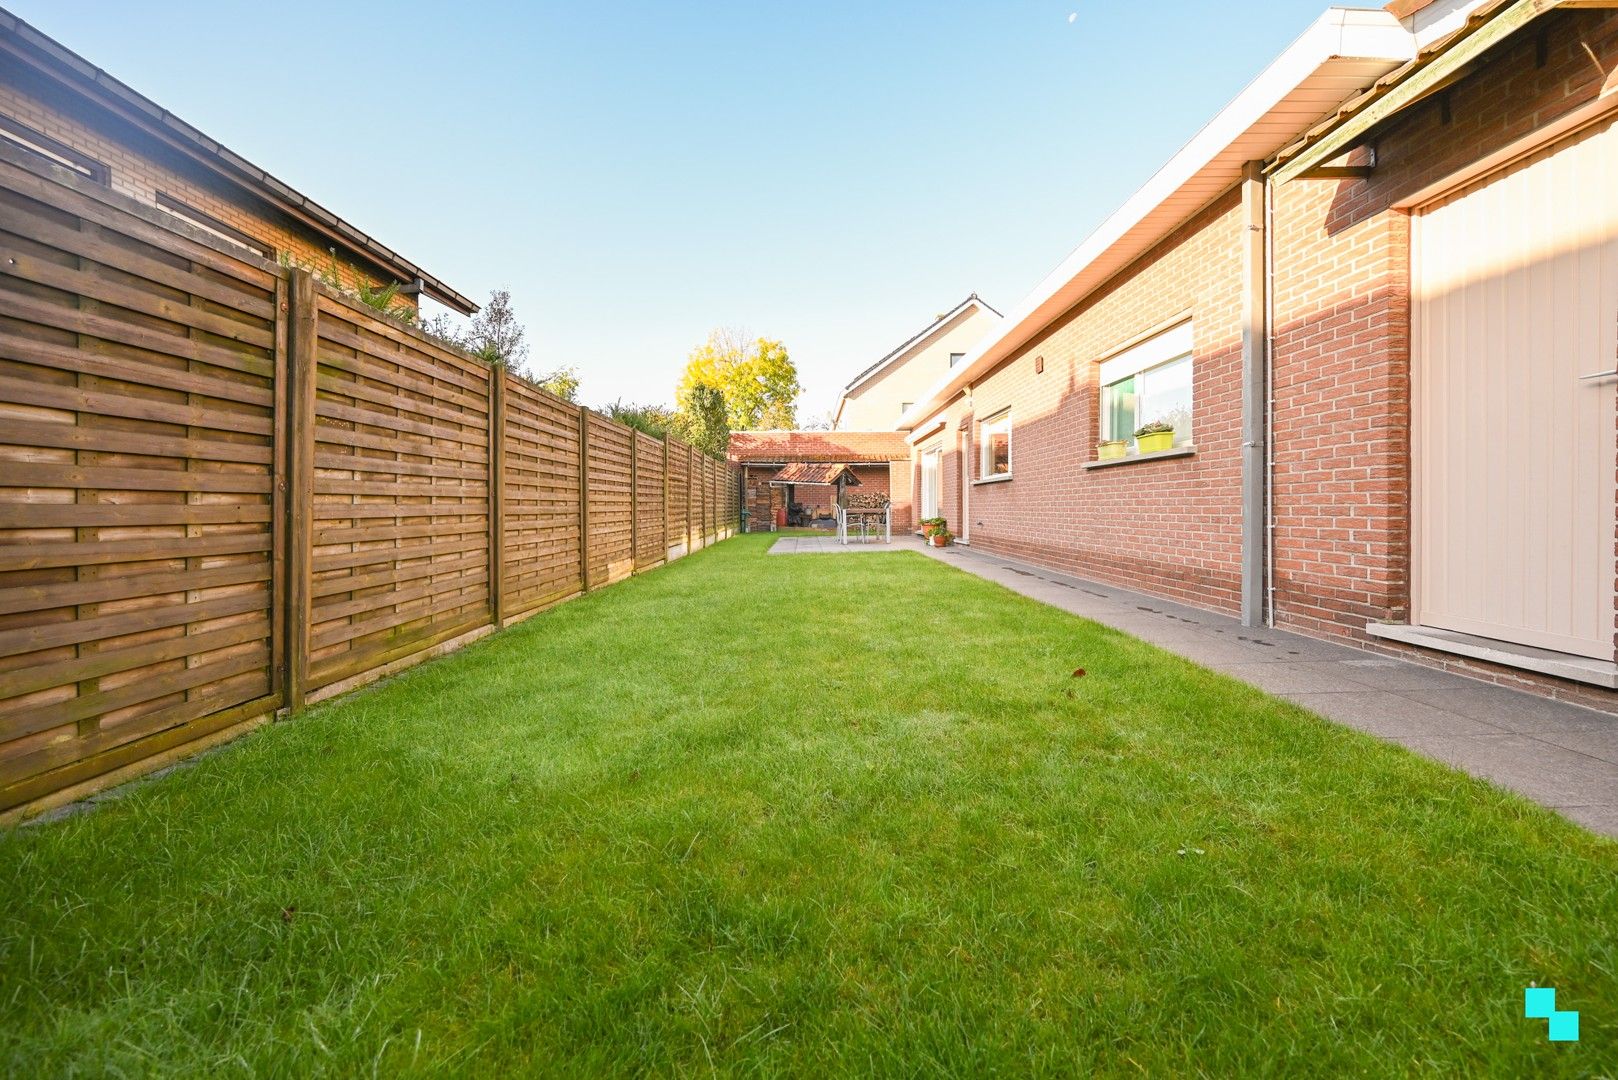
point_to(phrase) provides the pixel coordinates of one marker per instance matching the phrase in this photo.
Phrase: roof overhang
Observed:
(21, 42)
(1436, 66)
(1344, 51)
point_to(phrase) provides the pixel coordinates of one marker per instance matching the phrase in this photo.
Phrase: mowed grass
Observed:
(821, 815)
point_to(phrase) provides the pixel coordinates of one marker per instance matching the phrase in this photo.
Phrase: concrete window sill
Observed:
(1135, 459)
(1001, 479)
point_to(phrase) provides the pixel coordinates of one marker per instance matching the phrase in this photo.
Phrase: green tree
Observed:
(655, 420)
(702, 420)
(563, 382)
(755, 377)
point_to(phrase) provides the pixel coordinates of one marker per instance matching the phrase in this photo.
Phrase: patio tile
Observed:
(1388, 674)
(1513, 711)
(1390, 716)
(1548, 774)
(1596, 744)
(1307, 677)
(1601, 818)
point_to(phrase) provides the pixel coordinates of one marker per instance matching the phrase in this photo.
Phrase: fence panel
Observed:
(401, 494)
(224, 486)
(651, 525)
(611, 501)
(542, 498)
(138, 382)
(679, 505)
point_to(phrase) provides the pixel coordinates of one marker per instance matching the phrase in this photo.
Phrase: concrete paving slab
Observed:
(1512, 711)
(1390, 716)
(1545, 773)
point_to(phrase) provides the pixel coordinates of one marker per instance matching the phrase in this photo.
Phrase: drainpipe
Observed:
(1269, 402)
(1255, 392)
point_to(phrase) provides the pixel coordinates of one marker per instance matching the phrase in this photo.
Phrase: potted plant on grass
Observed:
(1108, 449)
(941, 538)
(1155, 437)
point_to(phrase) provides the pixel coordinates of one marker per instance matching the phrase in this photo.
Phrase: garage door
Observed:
(1515, 305)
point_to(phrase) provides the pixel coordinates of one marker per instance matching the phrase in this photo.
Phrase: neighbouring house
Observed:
(878, 396)
(1376, 300)
(57, 107)
(804, 474)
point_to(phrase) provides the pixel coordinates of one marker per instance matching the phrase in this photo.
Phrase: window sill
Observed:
(1134, 459)
(1001, 479)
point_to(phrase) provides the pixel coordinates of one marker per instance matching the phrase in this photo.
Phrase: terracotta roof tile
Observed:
(832, 446)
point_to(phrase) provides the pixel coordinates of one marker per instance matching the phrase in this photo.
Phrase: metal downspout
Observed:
(1269, 401)
(1255, 394)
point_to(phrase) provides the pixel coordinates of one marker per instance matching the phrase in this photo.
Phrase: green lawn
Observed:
(816, 815)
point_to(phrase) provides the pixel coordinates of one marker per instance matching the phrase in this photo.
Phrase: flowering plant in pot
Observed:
(941, 538)
(1156, 436)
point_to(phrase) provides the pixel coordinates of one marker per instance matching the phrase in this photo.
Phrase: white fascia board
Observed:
(1343, 40)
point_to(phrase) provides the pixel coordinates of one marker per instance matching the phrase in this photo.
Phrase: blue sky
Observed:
(831, 174)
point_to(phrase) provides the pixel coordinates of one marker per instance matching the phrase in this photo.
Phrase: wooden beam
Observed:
(497, 495)
(584, 499)
(634, 501)
(1437, 73)
(300, 481)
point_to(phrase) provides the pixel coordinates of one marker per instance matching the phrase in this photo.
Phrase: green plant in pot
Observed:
(931, 526)
(941, 538)
(1154, 437)
(1108, 449)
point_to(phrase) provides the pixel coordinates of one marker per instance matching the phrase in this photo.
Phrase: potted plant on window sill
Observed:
(941, 538)
(1155, 437)
(1108, 449)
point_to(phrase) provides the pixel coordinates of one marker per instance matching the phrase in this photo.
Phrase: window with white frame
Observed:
(956, 358)
(994, 447)
(1149, 383)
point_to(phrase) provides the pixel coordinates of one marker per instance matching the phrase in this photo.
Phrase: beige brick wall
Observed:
(141, 177)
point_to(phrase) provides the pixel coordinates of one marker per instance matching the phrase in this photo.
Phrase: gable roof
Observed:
(846, 447)
(1342, 52)
(910, 343)
(824, 475)
(20, 42)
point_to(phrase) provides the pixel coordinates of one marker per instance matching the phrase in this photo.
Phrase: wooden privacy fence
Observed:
(226, 490)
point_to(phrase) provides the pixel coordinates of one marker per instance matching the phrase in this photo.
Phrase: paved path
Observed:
(1561, 755)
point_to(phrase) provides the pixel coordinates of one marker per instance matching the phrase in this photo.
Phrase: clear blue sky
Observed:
(829, 173)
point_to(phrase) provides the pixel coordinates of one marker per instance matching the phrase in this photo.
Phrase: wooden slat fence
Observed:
(226, 491)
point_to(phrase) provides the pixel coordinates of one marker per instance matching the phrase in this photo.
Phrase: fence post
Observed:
(690, 467)
(300, 466)
(634, 501)
(665, 498)
(584, 499)
(497, 496)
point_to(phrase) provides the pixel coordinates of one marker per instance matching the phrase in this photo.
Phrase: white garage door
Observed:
(1514, 449)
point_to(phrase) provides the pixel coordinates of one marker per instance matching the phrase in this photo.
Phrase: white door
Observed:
(932, 481)
(1515, 283)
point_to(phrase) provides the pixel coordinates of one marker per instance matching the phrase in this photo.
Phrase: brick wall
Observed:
(1342, 358)
(1341, 382)
(1172, 526)
(141, 167)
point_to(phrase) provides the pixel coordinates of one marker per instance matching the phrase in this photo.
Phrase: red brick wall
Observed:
(1342, 359)
(1172, 526)
(1341, 381)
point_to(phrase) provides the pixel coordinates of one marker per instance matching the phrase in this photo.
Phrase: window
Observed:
(994, 447)
(956, 358)
(210, 224)
(41, 145)
(1149, 383)
(904, 407)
